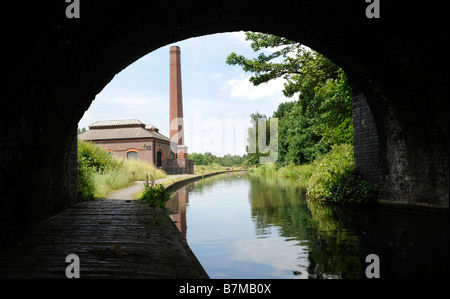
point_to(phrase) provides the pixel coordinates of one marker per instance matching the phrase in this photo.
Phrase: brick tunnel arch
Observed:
(55, 66)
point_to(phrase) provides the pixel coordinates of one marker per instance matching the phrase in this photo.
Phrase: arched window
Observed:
(132, 155)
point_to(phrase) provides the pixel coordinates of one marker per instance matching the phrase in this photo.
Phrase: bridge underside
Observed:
(55, 66)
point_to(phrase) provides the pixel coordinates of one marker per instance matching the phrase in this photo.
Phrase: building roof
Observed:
(121, 129)
(117, 123)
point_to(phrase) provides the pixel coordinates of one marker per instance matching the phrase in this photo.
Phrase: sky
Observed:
(217, 98)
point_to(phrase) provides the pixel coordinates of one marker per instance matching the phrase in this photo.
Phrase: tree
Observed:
(301, 67)
(322, 114)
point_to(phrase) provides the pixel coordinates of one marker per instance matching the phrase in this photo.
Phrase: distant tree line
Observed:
(208, 159)
(81, 130)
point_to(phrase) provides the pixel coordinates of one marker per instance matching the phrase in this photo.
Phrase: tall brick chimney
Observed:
(176, 103)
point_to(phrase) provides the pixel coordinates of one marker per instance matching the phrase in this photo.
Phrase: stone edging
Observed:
(177, 185)
(418, 208)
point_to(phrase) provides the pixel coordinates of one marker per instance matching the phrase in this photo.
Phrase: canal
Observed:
(245, 226)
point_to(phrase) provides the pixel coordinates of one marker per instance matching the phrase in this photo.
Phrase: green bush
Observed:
(95, 157)
(349, 187)
(86, 187)
(335, 179)
(94, 162)
(155, 194)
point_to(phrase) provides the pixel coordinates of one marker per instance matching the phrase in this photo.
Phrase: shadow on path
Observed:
(115, 237)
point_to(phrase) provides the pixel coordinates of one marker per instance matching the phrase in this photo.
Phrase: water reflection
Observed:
(242, 226)
(180, 199)
(332, 250)
(177, 206)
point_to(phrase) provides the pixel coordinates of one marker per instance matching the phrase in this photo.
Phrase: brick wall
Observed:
(407, 158)
(365, 140)
(120, 149)
(178, 166)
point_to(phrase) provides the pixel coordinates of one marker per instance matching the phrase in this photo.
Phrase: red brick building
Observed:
(132, 139)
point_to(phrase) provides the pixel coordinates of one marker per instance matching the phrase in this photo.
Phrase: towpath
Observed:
(115, 237)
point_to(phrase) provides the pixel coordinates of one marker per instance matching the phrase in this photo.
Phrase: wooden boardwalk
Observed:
(114, 238)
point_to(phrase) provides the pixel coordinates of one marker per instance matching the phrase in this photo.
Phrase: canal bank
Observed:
(184, 180)
(416, 208)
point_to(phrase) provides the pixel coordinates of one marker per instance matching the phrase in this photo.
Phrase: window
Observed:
(132, 155)
(171, 155)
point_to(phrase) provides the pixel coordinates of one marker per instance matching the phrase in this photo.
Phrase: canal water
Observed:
(244, 226)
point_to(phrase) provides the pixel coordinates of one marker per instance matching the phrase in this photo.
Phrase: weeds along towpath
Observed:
(128, 193)
(114, 237)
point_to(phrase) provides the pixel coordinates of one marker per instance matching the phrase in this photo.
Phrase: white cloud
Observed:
(243, 89)
(127, 100)
(217, 133)
(238, 36)
(216, 75)
(87, 119)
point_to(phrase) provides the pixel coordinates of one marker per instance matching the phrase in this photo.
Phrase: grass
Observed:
(299, 172)
(100, 173)
(200, 169)
(332, 179)
(111, 180)
(214, 167)
(123, 176)
(141, 169)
